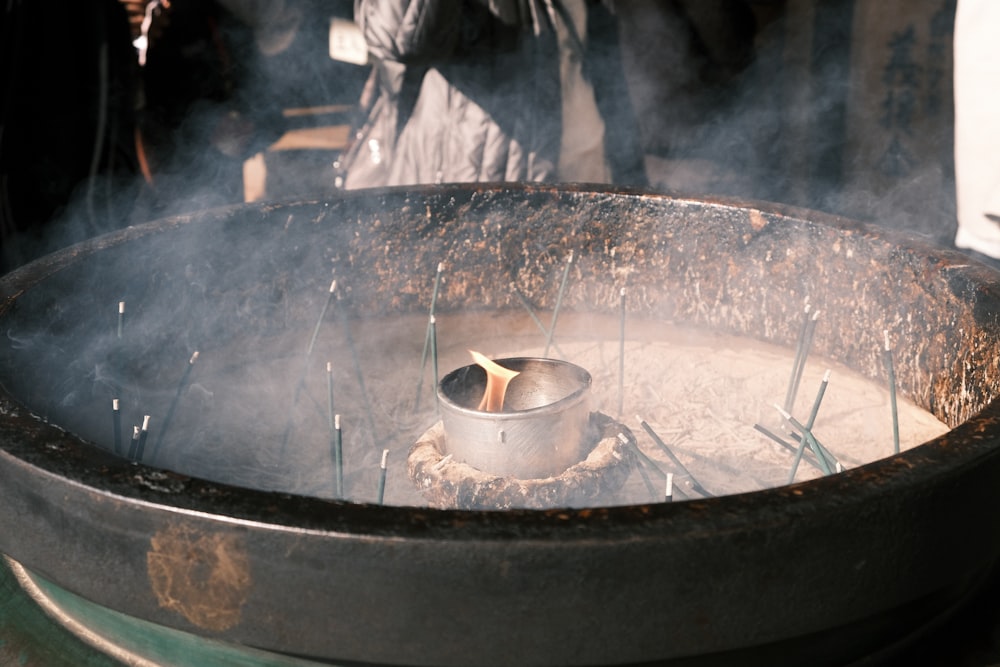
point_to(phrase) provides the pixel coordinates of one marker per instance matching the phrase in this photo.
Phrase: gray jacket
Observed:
(469, 91)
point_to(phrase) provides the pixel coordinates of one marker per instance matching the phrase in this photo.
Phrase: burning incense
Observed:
(173, 406)
(319, 321)
(434, 353)
(427, 336)
(806, 334)
(668, 495)
(143, 435)
(301, 383)
(381, 476)
(338, 457)
(116, 418)
(677, 462)
(121, 318)
(497, 379)
(799, 345)
(359, 374)
(891, 372)
(621, 354)
(559, 298)
(134, 444)
(329, 394)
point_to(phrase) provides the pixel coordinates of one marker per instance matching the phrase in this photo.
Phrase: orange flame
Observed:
(497, 379)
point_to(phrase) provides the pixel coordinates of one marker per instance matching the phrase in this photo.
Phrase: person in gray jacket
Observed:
(477, 90)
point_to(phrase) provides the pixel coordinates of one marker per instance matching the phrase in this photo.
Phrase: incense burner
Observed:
(822, 572)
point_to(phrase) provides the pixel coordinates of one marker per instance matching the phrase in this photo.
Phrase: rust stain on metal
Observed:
(203, 577)
(757, 220)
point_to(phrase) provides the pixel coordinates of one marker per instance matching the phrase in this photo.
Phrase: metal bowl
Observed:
(819, 573)
(540, 432)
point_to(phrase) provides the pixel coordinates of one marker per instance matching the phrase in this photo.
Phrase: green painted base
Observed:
(29, 637)
(42, 625)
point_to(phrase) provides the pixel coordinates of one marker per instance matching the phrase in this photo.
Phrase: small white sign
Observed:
(347, 44)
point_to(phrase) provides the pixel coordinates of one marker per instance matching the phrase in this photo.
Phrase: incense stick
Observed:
(621, 355)
(116, 418)
(434, 359)
(774, 436)
(173, 406)
(338, 457)
(534, 317)
(427, 336)
(799, 343)
(807, 435)
(319, 321)
(301, 383)
(134, 444)
(559, 298)
(891, 372)
(643, 459)
(801, 353)
(809, 424)
(819, 399)
(787, 445)
(362, 388)
(329, 394)
(143, 435)
(677, 462)
(381, 476)
(798, 457)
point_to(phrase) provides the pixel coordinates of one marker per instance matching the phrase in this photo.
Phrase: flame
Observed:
(497, 379)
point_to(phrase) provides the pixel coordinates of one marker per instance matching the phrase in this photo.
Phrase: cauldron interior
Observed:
(838, 557)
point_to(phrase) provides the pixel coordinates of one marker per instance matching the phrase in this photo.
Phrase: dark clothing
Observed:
(472, 88)
(682, 59)
(66, 125)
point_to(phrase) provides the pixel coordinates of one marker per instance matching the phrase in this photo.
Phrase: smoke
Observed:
(709, 121)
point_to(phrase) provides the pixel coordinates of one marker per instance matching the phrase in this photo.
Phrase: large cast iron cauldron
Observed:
(821, 572)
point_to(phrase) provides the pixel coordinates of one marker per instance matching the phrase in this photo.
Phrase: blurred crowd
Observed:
(142, 107)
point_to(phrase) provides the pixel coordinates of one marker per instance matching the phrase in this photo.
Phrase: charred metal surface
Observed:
(815, 573)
